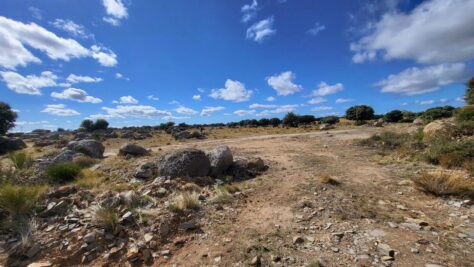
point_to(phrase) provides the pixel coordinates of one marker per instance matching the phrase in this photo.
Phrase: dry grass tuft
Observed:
(90, 179)
(327, 179)
(444, 183)
(185, 201)
(84, 161)
(20, 160)
(106, 217)
(222, 195)
(19, 201)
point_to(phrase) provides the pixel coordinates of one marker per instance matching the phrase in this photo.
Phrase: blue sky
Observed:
(146, 62)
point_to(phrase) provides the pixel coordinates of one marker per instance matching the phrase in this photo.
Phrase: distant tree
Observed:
(264, 122)
(290, 119)
(60, 130)
(88, 125)
(469, 97)
(408, 116)
(7, 118)
(275, 122)
(330, 119)
(437, 113)
(100, 124)
(306, 119)
(393, 116)
(360, 113)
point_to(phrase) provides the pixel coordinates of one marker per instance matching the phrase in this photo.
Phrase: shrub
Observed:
(450, 153)
(466, 127)
(387, 140)
(84, 161)
(106, 217)
(437, 113)
(469, 97)
(90, 179)
(443, 183)
(290, 119)
(20, 160)
(275, 122)
(393, 116)
(264, 122)
(465, 114)
(100, 124)
(185, 201)
(7, 118)
(408, 116)
(222, 195)
(88, 125)
(63, 172)
(360, 113)
(330, 119)
(306, 119)
(19, 201)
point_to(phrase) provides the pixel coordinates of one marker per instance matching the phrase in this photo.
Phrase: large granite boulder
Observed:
(187, 162)
(89, 147)
(221, 159)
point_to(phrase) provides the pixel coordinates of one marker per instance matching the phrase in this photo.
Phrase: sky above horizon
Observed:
(148, 62)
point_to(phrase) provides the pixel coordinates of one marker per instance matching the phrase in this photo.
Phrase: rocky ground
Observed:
(361, 213)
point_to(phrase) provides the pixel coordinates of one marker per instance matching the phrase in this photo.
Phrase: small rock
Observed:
(148, 237)
(298, 240)
(165, 252)
(89, 238)
(33, 251)
(255, 261)
(335, 250)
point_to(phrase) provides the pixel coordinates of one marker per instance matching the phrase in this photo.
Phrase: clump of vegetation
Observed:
(106, 217)
(63, 172)
(185, 201)
(449, 153)
(360, 113)
(290, 120)
(469, 97)
(330, 119)
(393, 116)
(90, 179)
(437, 113)
(386, 140)
(19, 201)
(90, 126)
(222, 195)
(465, 114)
(20, 160)
(84, 161)
(444, 183)
(7, 118)
(327, 179)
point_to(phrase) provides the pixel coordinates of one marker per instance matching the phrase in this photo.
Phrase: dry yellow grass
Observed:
(443, 183)
(185, 201)
(327, 179)
(90, 179)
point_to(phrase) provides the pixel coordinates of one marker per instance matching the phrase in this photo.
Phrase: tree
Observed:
(437, 113)
(330, 119)
(408, 116)
(7, 118)
(290, 119)
(306, 119)
(469, 97)
(88, 125)
(264, 122)
(275, 122)
(393, 116)
(100, 124)
(360, 113)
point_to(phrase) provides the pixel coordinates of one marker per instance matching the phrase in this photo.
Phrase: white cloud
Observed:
(137, 111)
(249, 11)
(207, 111)
(115, 10)
(243, 112)
(317, 100)
(325, 89)
(343, 100)
(414, 81)
(35, 12)
(173, 118)
(197, 97)
(23, 123)
(201, 90)
(72, 28)
(283, 83)
(436, 31)
(105, 56)
(261, 30)
(270, 99)
(15, 35)
(426, 102)
(60, 110)
(185, 110)
(256, 106)
(30, 84)
(278, 110)
(152, 97)
(321, 108)
(316, 29)
(119, 75)
(234, 91)
(126, 100)
(173, 102)
(75, 94)
(73, 78)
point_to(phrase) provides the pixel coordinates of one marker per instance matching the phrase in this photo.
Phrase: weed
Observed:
(20, 160)
(63, 172)
(84, 161)
(386, 140)
(90, 179)
(222, 195)
(19, 201)
(185, 201)
(106, 217)
(443, 183)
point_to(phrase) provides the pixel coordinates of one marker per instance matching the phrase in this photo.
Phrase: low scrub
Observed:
(84, 161)
(444, 183)
(20, 160)
(222, 195)
(185, 201)
(386, 140)
(449, 153)
(90, 179)
(106, 217)
(465, 114)
(19, 201)
(63, 172)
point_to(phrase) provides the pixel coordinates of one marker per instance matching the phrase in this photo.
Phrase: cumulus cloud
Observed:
(30, 84)
(73, 78)
(261, 30)
(234, 91)
(185, 110)
(343, 100)
(249, 11)
(426, 102)
(321, 108)
(197, 97)
(325, 89)
(243, 112)
(126, 100)
(173, 118)
(270, 99)
(152, 97)
(277, 110)
(60, 110)
(436, 31)
(316, 29)
(207, 111)
(72, 28)
(75, 94)
(15, 35)
(317, 100)
(255, 106)
(283, 83)
(116, 11)
(137, 111)
(415, 80)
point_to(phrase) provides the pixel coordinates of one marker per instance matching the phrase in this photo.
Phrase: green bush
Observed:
(88, 125)
(393, 116)
(63, 172)
(360, 113)
(101, 124)
(330, 119)
(465, 114)
(386, 140)
(290, 119)
(437, 113)
(470, 92)
(21, 160)
(450, 153)
(19, 201)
